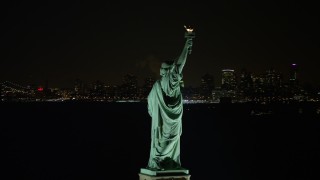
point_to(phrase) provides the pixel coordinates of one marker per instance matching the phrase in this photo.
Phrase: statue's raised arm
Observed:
(189, 35)
(181, 61)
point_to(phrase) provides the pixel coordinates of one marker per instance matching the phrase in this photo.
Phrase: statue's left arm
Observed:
(181, 61)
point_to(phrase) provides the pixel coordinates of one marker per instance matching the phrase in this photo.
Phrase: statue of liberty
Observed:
(165, 106)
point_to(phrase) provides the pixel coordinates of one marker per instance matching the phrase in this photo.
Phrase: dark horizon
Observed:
(63, 42)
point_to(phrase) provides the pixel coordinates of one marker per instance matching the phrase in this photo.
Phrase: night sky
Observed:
(59, 42)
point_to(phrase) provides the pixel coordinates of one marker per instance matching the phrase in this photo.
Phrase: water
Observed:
(104, 140)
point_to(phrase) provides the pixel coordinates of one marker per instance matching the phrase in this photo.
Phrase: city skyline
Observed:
(62, 42)
(285, 79)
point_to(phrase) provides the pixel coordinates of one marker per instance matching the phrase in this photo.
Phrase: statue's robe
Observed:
(165, 107)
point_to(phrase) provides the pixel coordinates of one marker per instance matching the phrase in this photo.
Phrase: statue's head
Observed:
(166, 67)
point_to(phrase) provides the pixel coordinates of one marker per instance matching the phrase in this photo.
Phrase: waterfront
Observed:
(73, 140)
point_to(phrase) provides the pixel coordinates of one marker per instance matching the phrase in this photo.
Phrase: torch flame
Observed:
(189, 30)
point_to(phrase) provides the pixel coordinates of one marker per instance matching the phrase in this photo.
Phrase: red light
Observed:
(40, 88)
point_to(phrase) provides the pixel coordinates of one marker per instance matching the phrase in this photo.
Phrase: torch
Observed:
(189, 34)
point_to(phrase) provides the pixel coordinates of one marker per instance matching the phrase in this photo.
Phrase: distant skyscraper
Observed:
(246, 81)
(273, 79)
(98, 89)
(78, 86)
(228, 79)
(207, 85)
(293, 75)
(129, 87)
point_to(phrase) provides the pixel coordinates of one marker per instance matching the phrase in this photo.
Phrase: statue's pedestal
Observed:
(147, 174)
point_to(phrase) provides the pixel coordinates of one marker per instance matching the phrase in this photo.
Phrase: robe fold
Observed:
(166, 108)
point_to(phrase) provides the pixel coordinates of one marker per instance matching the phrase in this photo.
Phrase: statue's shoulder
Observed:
(156, 84)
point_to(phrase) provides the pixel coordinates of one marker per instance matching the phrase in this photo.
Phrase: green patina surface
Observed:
(166, 108)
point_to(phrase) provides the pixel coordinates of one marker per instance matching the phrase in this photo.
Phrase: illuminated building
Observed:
(228, 79)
